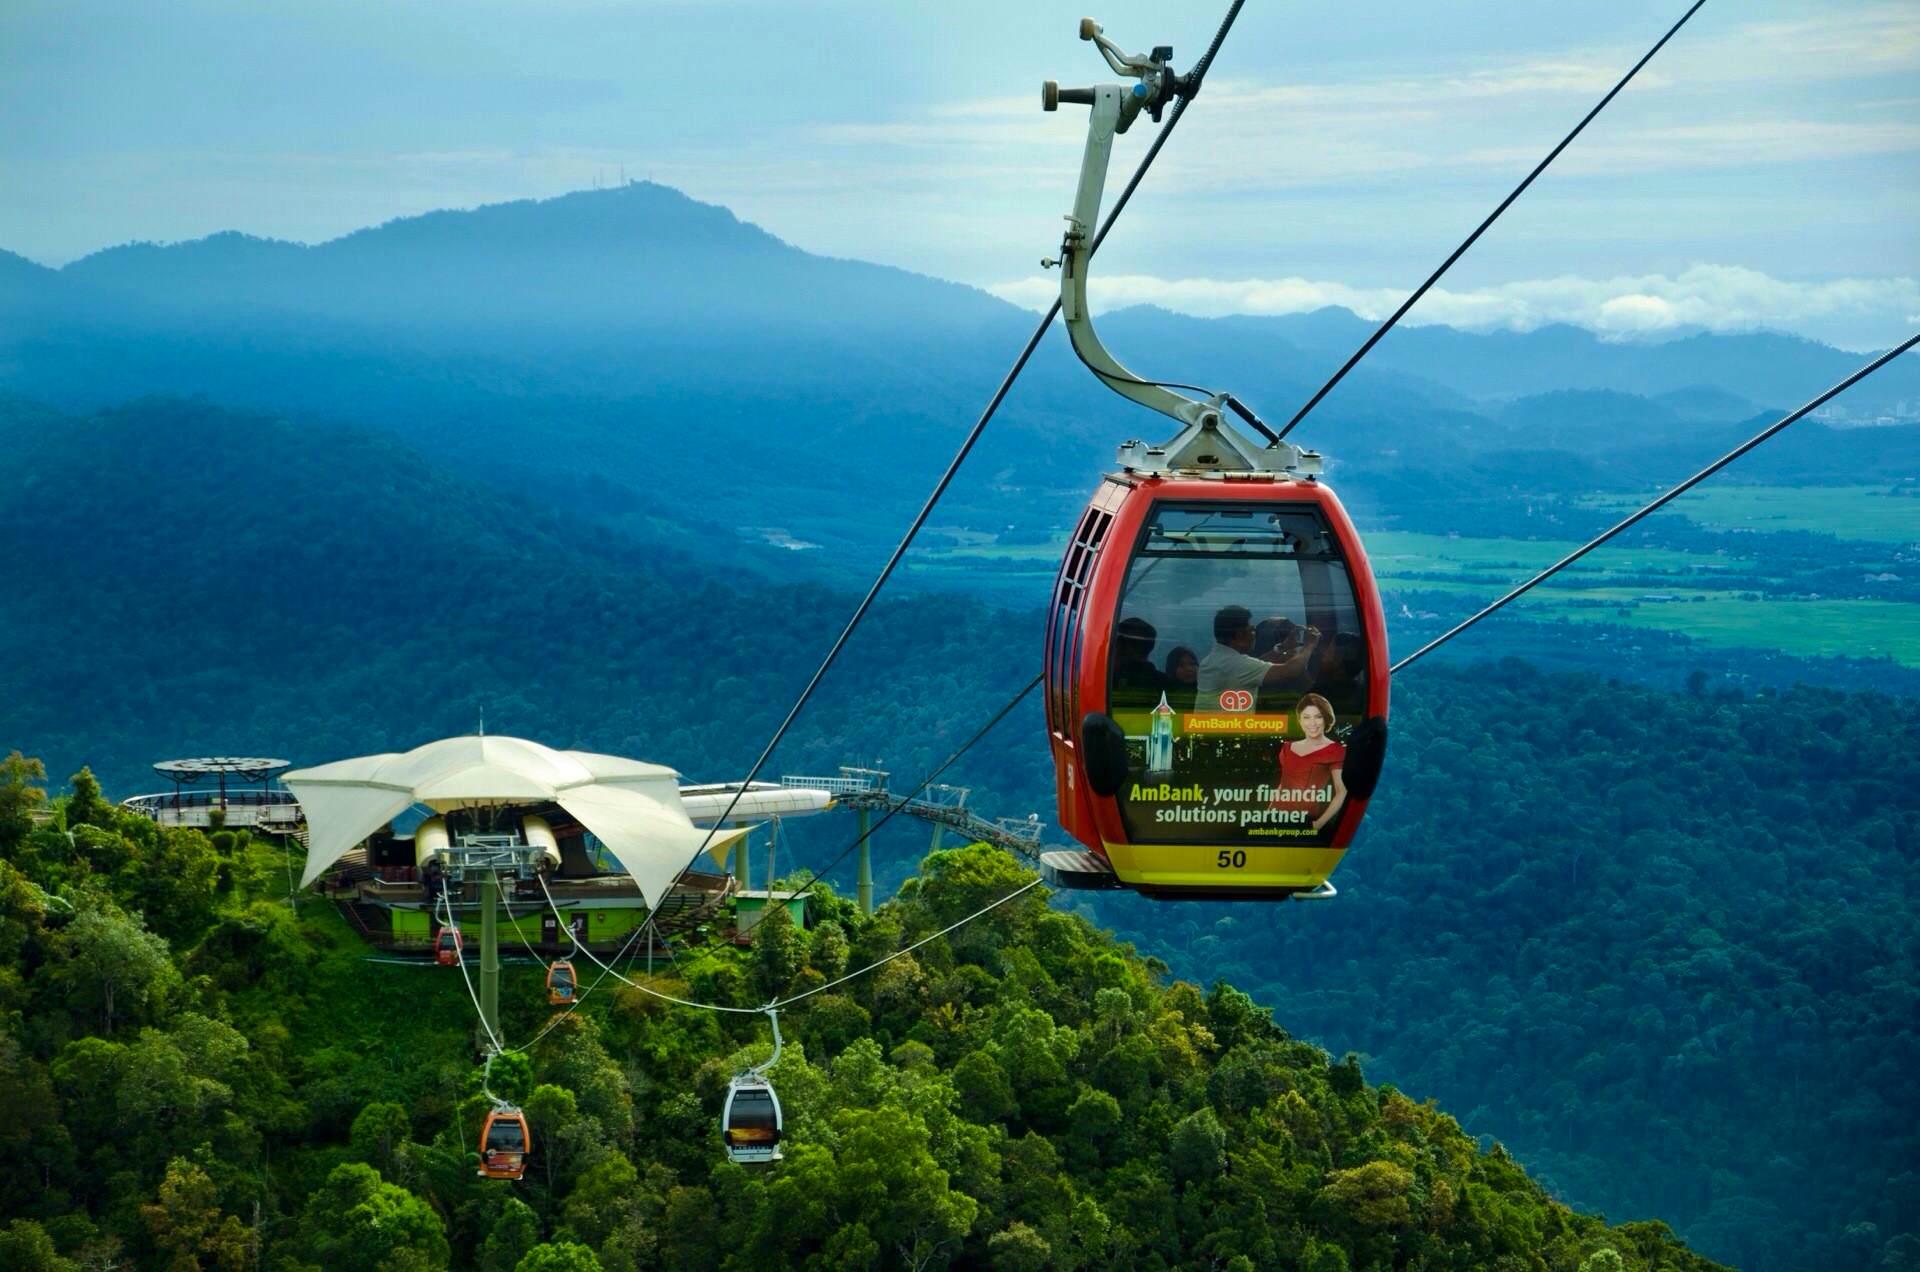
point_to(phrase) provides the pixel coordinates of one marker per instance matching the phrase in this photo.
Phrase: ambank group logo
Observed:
(1236, 700)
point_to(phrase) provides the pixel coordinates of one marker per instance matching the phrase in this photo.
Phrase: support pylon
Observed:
(865, 888)
(490, 953)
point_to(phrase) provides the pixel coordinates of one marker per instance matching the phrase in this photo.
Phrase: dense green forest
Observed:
(199, 1077)
(1661, 944)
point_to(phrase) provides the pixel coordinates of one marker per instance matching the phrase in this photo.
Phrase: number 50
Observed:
(1236, 858)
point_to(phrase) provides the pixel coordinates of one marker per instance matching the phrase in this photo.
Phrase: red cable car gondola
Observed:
(447, 947)
(504, 1144)
(561, 984)
(1216, 686)
(1216, 655)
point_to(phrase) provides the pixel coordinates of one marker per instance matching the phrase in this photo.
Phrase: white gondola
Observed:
(750, 1123)
(750, 1120)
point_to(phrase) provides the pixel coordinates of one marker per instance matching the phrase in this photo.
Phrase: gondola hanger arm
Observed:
(1203, 443)
(1112, 110)
(773, 1018)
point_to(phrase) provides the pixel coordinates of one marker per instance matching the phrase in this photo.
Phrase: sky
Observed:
(1764, 170)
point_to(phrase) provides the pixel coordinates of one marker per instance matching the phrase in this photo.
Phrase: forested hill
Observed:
(1660, 944)
(197, 1077)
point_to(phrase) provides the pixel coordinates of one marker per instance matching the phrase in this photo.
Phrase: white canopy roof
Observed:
(633, 808)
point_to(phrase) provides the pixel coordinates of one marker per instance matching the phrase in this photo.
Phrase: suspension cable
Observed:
(1493, 216)
(578, 998)
(777, 1003)
(1665, 499)
(508, 905)
(788, 1001)
(816, 875)
(609, 969)
(1194, 78)
(574, 1006)
(460, 956)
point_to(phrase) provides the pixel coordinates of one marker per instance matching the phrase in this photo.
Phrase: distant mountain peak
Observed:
(660, 212)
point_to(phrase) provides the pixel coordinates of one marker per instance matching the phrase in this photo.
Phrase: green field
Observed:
(1803, 626)
(1847, 512)
(1596, 589)
(1399, 555)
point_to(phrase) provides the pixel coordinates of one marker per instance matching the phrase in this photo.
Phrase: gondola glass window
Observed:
(1237, 634)
(505, 1135)
(752, 1118)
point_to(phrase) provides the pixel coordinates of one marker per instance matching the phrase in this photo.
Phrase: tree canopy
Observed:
(1023, 1093)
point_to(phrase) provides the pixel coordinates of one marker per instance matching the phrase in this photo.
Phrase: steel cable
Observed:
(925, 782)
(1493, 216)
(1665, 499)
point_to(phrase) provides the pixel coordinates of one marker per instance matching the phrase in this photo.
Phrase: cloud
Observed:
(1710, 297)
(1877, 38)
(1758, 94)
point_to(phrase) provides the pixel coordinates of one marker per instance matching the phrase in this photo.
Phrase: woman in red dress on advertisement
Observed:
(1310, 780)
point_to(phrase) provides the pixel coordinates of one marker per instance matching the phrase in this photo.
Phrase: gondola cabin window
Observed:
(504, 1136)
(751, 1120)
(1237, 665)
(1063, 621)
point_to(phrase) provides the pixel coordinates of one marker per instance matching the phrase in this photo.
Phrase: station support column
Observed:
(939, 836)
(865, 890)
(490, 952)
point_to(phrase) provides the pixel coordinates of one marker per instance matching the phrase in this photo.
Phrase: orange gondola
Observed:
(504, 1144)
(561, 983)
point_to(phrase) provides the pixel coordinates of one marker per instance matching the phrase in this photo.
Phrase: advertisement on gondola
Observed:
(1232, 774)
(1236, 673)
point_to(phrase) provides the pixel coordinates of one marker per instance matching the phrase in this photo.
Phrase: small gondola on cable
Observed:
(750, 1120)
(447, 946)
(1216, 655)
(505, 1143)
(561, 983)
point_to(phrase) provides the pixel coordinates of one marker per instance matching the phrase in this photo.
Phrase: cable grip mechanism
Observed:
(1158, 83)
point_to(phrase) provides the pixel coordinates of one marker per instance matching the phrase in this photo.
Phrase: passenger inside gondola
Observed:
(504, 1137)
(1232, 664)
(1136, 681)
